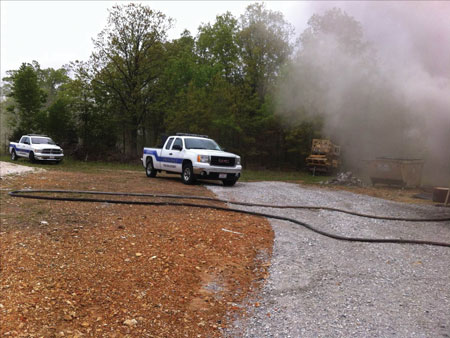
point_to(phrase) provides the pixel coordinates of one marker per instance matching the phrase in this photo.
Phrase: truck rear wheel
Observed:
(13, 155)
(149, 170)
(187, 175)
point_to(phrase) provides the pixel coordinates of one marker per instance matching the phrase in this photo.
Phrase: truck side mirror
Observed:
(177, 147)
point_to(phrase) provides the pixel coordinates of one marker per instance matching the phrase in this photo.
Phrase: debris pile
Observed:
(345, 178)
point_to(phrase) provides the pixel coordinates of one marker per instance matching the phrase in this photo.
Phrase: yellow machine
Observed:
(324, 158)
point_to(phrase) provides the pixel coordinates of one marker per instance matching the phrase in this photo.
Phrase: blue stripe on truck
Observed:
(19, 149)
(163, 159)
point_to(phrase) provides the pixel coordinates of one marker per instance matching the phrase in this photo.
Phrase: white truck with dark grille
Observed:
(36, 148)
(193, 156)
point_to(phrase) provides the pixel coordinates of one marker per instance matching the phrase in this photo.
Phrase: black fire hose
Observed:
(27, 194)
(388, 218)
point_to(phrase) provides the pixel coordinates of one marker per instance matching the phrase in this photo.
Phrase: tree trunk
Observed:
(131, 144)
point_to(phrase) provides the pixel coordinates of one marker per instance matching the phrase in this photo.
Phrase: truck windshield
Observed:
(42, 140)
(201, 143)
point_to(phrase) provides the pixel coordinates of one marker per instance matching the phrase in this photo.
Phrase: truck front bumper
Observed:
(215, 172)
(48, 157)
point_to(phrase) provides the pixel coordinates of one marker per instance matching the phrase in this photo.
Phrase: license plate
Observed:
(222, 175)
(51, 157)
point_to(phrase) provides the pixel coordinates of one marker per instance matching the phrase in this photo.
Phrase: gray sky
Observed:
(57, 32)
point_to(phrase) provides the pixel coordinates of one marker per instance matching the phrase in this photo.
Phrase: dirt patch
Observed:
(98, 269)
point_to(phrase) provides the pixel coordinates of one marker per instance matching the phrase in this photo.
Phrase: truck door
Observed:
(24, 146)
(172, 158)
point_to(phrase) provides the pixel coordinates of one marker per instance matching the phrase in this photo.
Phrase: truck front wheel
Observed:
(149, 170)
(31, 157)
(230, 182)
(188, 174)
(13, 155)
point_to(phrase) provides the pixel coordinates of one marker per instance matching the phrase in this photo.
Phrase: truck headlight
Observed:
(203, 158)
(238, 161)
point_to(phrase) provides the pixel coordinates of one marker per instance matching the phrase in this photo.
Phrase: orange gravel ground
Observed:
(71, 269)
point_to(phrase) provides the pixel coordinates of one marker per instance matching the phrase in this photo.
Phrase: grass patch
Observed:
(69, 164)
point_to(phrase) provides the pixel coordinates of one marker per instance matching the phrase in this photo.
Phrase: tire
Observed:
(187, 175)
(31, 157)
(149, 170)
(230, 182)
(13, 155)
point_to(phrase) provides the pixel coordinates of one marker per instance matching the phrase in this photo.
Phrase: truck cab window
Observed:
(169, 143)
(26, 140)
(178, 144)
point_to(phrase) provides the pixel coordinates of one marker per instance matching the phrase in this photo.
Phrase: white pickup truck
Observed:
(36, 147)
(193, 156)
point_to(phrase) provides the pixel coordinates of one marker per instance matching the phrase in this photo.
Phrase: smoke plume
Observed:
(380, 78)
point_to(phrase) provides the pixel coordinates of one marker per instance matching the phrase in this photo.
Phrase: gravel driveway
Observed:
(320, 287)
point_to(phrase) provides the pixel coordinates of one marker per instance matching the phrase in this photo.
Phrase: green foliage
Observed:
(217, 45)
(50, 81)
(226, 82)
(72, 164)
(28, 98)
(95, 127)
(126, 66)
(60, 122)
(298, 140)
(35, 104)
(264, 38)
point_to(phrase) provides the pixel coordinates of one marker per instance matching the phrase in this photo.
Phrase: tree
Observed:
(95, 127)
(50, 81)
(31, 92)
(28, 99)
(218, 45)
(265, 40)
(126, 66)
(60, 122)
(200, 78)
(335, 23)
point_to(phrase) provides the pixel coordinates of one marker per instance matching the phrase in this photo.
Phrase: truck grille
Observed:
(223, 161)
(51, 151)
